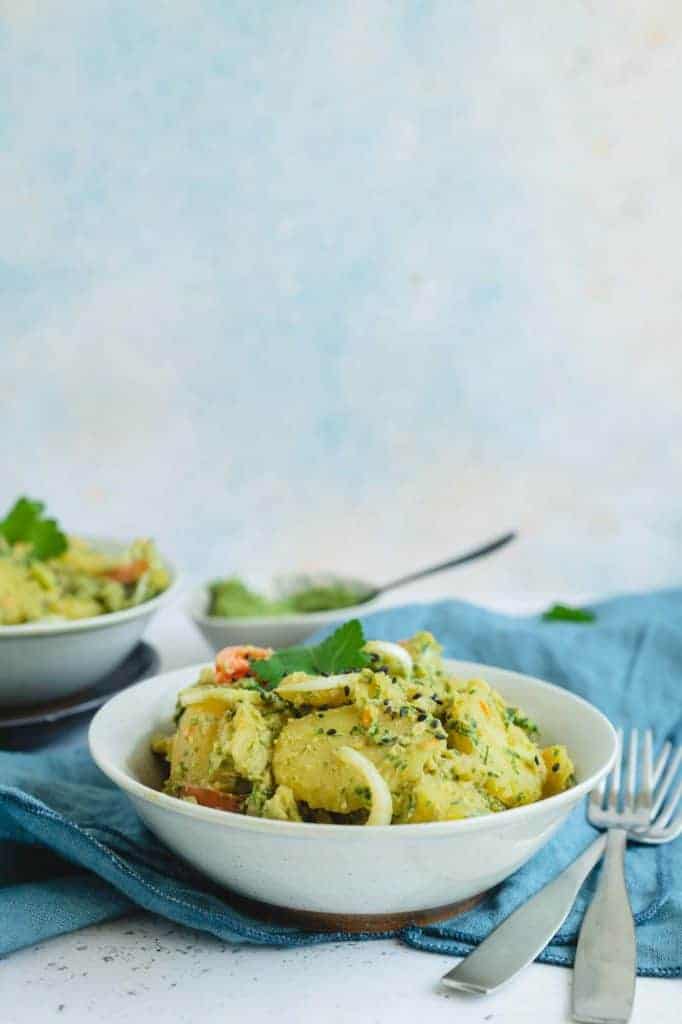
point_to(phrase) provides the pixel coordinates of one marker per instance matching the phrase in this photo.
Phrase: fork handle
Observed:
(606, 954)
(517, 941)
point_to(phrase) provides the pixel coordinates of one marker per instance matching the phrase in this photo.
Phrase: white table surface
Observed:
(143, 967)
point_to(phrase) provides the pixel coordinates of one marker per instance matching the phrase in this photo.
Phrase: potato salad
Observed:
(48, 575)
(386, 735)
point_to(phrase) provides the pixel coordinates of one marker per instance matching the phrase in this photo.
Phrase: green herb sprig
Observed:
(25, 523)
(340, 652)
(564, 613)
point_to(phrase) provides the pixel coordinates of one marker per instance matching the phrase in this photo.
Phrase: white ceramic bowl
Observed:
(43, 661)
(345, 869)
(275, 631)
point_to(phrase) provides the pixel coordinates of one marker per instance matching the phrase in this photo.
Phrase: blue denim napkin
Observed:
(74, 853)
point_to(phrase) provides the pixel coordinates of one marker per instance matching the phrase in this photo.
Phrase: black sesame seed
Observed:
(346, 690)
(331, 732)
(422, 717)
(555, 767)
(536, 759)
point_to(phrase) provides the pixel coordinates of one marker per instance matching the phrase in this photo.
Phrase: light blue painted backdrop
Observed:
(348, 284)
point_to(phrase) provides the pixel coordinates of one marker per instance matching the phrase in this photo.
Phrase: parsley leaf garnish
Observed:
(24, 523)
(564, 613)
(281, 663)
(340, 652)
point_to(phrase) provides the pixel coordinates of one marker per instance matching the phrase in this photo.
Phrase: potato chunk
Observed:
(439, 799)
(251, 743)
(300, 689)
(304, 756)
(560, 770)
(192, 744)
(506, 761)
(282, 806)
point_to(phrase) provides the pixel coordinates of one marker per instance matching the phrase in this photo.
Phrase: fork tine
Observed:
(630, 775)
(667, 781)
(661, 761)
(669, 809)
(614, 788)
(675, 827)
(643, 802)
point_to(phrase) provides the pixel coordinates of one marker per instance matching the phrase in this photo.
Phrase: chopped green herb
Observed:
(514, 717)
(461, 728)
(564, 613)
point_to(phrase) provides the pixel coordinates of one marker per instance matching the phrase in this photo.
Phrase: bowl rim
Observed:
(442, 829)
(47, 627)
(197, 599)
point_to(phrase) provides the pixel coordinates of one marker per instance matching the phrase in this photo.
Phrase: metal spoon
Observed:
(367, 592)
(469, 556)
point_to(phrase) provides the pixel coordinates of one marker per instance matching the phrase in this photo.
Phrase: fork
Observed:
(629, 806)
(517, 941)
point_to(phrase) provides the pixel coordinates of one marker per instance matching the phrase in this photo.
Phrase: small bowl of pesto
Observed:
(228, 611)
(71, 609)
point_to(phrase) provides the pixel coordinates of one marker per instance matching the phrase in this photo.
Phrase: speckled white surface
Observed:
(348, 285)
(145, 967)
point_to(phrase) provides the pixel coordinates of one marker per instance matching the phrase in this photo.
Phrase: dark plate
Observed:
(141, 663)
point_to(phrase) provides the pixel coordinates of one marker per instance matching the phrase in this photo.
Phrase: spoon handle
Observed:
(469, 556)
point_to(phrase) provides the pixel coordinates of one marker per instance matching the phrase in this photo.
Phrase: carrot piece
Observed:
(130, 572)
(208, 797)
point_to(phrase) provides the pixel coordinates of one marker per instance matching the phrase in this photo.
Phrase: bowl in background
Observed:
(361, 873)
(45, 660)
(275, 631)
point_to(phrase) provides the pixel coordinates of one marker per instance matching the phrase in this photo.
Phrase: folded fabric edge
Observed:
(76, 845)
(36, 911)
(552, 955)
